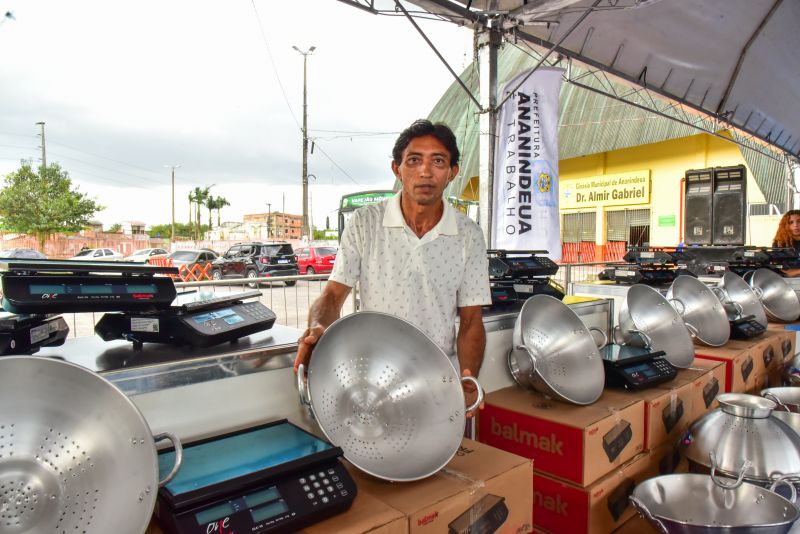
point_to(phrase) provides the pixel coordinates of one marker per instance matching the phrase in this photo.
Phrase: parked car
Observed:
(26, 253)
(145, 254)
(191, 257)
(97, 254)
(315, 260)
(257, 260)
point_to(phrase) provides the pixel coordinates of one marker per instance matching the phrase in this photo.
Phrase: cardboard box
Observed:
(776, 379)
(667, 459)
(788, 344)
(636, 525)
(366, 514)
(576, 443)
(704, 388)
(481, 487)
(667, 411)
(715, 385)
(740, 366)
(596, 509)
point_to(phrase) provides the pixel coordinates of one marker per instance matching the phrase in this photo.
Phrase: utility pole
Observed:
(44, 156)
(172, 234)
(305, 55)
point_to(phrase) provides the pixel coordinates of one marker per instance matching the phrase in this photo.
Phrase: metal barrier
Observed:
(291, 303)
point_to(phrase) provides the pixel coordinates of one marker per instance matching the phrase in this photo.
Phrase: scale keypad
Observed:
(323, 486)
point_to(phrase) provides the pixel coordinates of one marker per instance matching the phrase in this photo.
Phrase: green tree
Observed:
(43, 204)
(216, 203)
(199, 196)
(115, 228)
(181, 230)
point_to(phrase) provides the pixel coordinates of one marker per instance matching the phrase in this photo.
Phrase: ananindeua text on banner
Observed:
(525, 203)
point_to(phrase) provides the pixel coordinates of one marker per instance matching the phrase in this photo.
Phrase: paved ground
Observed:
(290, 304)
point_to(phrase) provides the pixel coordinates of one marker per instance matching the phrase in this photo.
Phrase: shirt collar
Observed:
(393, 217)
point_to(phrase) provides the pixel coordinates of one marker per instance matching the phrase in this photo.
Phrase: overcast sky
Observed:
(126, 88)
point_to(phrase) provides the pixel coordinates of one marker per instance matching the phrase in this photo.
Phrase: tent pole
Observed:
(489, 39)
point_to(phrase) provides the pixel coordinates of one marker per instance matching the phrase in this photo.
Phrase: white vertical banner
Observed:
(525, 204)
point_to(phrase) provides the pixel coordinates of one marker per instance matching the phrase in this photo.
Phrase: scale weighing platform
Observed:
(635, 368)
(270, 478)
(746, 328)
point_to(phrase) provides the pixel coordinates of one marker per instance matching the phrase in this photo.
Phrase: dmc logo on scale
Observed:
(511, 432)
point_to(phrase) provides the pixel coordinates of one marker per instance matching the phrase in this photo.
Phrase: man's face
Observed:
(424, 170)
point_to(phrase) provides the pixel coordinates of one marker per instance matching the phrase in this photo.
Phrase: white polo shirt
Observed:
(422, 280)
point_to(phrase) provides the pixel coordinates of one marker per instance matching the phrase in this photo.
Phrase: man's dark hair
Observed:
(423, 127)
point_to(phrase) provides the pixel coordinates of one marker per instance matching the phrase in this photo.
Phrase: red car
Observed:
(315, 260)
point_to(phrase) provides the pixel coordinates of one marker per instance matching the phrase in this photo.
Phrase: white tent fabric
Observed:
(735, 60)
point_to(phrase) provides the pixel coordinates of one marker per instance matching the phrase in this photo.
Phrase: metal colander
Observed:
(76, 456)
(554, 353)
(387, 395)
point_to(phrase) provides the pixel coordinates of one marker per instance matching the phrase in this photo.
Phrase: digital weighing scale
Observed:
(54, 286)
(201, 323)
(746, 328)
(26, 334)
(270, 478)
(635, 368)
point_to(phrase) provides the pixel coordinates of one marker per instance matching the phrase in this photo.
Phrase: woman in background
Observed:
(788, 234)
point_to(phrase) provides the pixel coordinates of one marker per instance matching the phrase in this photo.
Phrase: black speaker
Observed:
(697, 207)
(729, 205)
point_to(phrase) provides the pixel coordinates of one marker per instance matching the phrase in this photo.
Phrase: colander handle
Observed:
(479, 400)
(745, 466)
(302, 385)
(786, 480)
(693, 331)
(674, 301)
(176, 443)
(642, 509)
(648, 341)
(771, 396)
(602, 333)
(720, 293)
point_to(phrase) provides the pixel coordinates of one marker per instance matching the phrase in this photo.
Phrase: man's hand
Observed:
(306, 345)
(470, 392)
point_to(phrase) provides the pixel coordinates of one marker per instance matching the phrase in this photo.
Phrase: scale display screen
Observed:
(226, 314)
(215, 461)
(646, 369)
(91, 289)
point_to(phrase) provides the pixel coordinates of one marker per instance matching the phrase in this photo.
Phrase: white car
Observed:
(145, 254)
(97, 254)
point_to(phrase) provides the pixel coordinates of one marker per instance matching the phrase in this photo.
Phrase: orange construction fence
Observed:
(186, 273)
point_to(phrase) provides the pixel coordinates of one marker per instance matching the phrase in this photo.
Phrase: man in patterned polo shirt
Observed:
(414, 256)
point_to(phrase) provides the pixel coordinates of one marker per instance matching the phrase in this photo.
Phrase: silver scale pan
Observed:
(779, 299)
(555, 353)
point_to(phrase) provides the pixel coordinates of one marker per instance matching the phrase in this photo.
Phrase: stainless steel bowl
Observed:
(787, 398)
(555, 353)
(646, 319)
(739, 299)
(700, 308)
(779, 299)
(692, 503)
(76, 455)
(386, 394)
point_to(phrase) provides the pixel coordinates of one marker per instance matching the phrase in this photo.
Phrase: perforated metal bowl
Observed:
(779, 299)
(76, 456)
(386, 394)
(554, 352)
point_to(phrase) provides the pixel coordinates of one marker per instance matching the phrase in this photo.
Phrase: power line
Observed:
(272, 62)
(336, 164)
(151, 180)
(103, 157)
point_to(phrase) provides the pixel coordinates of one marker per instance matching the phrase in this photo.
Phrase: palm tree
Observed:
(220, 203)
(191, 202)
(200, 198)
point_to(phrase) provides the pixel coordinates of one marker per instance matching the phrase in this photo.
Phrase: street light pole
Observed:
(306, 229)
(172, 234)
(44, 155)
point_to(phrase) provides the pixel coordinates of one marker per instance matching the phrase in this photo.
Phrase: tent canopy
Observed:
(735, 61)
